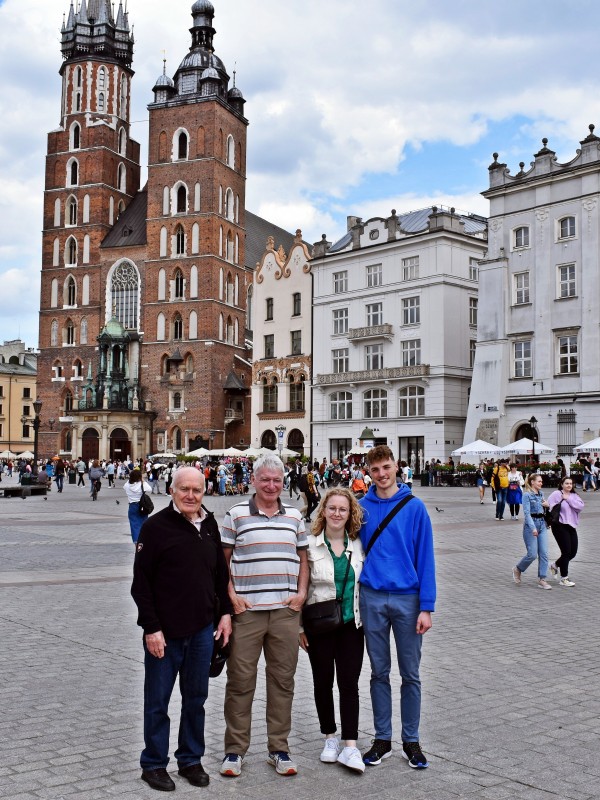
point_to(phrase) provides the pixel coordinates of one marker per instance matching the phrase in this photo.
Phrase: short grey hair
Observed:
(179, 476)
(268, 461)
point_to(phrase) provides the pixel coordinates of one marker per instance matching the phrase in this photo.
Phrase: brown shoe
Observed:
(159, 779)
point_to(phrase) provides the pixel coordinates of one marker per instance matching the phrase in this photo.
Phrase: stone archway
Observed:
(90, 444)
(268, 439)
(296, 440)
(120, 445)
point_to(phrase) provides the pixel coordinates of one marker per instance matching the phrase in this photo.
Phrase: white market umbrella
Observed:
(7, 454)
(587, 447)
(169, 456)
(252, 452)
(232, 451)
(477, 448)
(285, 452)
(201, 451)
(27, 454)
(358, 451)
(524, 447)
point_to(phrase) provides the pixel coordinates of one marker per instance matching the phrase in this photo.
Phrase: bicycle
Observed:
(96, 489)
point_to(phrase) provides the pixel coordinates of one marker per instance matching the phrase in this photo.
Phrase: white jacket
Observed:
(321, 585)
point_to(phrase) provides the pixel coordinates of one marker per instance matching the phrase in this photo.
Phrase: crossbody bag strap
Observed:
(382, 525)
(345, 578)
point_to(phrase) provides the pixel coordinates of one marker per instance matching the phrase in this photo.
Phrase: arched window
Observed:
(121, 178)
(125, 294)
(195, 238)
(83, 331)
(229, 206)
(163, 242)
(160, 327)
(193, 327)
(179, 241)
(229, 254)
(268, 439)
(122, 142)
(176, 401)
(566, 228)
(249, 304)
(177, 438)
(229, 290)
(340, 405)
(166, 201)
(68, 404)
(54, 333)
(297, 394)
(75, 136)
(181, 200)
(182, 146)
(123, 108)
(101, 102)
(86, 249)
(85, 291)
(101, 79)
(69, 332)
(197, 197)
(86, 208)
(57, 369)
(111, 211)
(77, 368)
(54, 293)
(230, 332)
(56, 252)
(70, 296)
(121, 208)
(230, 152)
(73, 172)
(412, 401)
(189, 364)
(375, 404)
(270, 396)
(71, 252)
(162, 284)
(178, 285)
(78, 77)
(177, 327)
(71, 213)
(57, 208)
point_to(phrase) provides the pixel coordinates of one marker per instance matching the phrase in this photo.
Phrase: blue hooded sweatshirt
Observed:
(401, 560)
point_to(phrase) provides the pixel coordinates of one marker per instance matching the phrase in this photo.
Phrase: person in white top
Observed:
(134, 488)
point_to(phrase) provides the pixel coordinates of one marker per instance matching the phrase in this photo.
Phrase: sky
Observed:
(355, 108)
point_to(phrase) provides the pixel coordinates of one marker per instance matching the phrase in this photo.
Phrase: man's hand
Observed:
(424, 622)
(224, 629)
(240, 604)
(155, 642)
(295, 601)
(303, 641)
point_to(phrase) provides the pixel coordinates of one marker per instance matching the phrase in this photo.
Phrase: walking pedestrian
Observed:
(565, 529)
(500, 484)
(134, 488)
(481, 481)
(335, 559)
(514, 495)
(59, 474)
(81, 468)
(535, 532)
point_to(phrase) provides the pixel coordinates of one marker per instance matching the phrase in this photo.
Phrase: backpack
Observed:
(145, 505)
(410, 474)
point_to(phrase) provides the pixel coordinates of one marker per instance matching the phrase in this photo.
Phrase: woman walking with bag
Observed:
(535, 532)
(134, 489)
(564, 528)
(335, 558)
(514, 495)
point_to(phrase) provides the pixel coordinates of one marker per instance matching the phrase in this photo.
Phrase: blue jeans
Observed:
(380, 612)
(537, 547)
(588, 480)
(190, 658)
(500, 502)
(136, 520)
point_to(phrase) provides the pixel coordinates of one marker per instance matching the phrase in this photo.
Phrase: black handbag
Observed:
(327, 615)
(145, 505)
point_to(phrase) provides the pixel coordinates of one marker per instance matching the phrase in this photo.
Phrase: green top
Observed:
(340, 563)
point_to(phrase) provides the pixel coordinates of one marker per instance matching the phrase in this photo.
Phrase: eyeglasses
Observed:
(336, 510)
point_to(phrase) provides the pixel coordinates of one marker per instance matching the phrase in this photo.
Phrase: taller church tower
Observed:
(92, 173)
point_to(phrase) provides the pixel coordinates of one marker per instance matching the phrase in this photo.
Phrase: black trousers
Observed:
(340, 655)
(566, 539)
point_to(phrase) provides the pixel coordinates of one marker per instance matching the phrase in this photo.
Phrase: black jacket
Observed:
(177, 573)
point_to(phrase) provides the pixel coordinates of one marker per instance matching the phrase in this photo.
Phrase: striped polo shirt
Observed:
(265, 562)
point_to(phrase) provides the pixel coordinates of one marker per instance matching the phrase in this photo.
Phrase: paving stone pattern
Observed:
(511, 675)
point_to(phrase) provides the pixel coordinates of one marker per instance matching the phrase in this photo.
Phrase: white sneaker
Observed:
(543, 584)
(331, 750)
(350, 757)
(516, 573)
(566, 582)
(554, 571)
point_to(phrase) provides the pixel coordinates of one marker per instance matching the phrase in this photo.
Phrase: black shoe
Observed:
(380, 749)
(159, 779)
(415, 756)
(195, 774)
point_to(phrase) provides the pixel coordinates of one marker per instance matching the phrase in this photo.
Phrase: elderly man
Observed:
(179, 568)
(266, 548)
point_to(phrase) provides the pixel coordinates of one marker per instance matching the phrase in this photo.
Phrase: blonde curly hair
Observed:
(354, 518)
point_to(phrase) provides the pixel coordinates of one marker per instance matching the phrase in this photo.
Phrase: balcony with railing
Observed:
(364, 376)
(385, 331)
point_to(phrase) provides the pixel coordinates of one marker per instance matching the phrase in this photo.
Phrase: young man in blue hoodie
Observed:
(397, 592)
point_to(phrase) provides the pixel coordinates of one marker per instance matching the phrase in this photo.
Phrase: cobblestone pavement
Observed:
(510, 674)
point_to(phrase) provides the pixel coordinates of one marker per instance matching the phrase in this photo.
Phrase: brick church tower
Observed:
(142, 313)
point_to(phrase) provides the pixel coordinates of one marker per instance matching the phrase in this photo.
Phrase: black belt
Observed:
(538, 516)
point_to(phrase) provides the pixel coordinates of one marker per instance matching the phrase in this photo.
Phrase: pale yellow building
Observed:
(18, 374)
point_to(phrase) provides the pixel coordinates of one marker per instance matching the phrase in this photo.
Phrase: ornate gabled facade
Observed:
(537, 344)
(144, 290)
(395, 308)
(282, 328)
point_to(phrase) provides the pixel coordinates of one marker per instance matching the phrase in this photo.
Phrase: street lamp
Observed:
(281, 429)
(533, 423)
(37, 407)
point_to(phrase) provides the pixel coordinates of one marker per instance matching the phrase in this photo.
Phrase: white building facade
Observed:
(282, 329)
(395, 308)
(538, 348)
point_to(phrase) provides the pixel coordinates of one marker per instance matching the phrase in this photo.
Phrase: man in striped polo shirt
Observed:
(265, 546)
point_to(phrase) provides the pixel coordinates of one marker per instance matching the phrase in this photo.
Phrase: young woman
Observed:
(535, 533)
(514, 496)
(565, 530)
(335, 558)
(133, 489)
(481, 481)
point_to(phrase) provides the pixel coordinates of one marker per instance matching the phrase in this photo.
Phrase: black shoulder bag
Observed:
(382, 525)
(145, 504)
(327, 615)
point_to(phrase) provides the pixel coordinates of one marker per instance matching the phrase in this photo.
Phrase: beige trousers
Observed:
(275, 633)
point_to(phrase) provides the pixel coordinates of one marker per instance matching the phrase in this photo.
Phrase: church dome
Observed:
(210, 73)
(164, 82)
(234, 93)
(203, 7)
